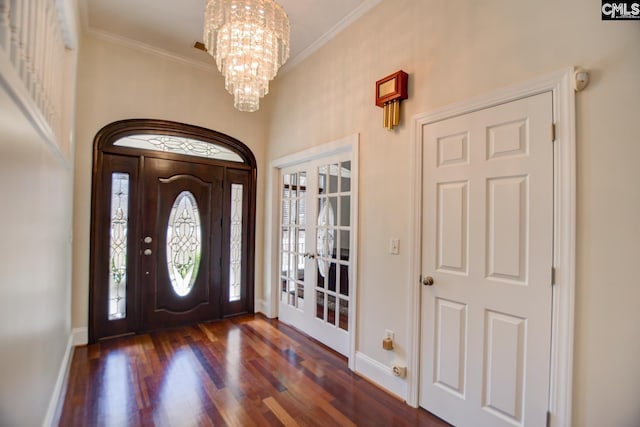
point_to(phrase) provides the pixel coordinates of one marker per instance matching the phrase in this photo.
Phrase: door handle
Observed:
(427, 281)
(309, 255)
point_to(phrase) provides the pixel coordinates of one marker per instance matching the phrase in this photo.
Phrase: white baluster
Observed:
(32, 30)
(58, 74)
(5, 28)
(48, 54)
(23, 42)
(36, 30)
(15, 18)
(34, 35)
(57, 69)
(39, 60)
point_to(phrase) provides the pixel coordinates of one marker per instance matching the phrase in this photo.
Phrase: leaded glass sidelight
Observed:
(184, 243)
(235, 245)
(119, 220)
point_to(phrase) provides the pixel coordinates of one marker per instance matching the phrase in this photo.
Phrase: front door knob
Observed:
(427, 281)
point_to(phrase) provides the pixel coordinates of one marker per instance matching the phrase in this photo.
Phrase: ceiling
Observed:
(173, 26)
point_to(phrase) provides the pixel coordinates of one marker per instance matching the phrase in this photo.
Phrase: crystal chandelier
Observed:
(249, 40)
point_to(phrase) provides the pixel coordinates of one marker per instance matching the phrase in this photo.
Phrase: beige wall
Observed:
(116, 82)
(35, 268)
(454, 51)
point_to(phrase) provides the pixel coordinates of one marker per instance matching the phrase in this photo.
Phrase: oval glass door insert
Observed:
(184, 243)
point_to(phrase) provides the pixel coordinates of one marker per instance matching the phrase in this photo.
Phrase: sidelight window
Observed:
(235, 243)
(118, 245)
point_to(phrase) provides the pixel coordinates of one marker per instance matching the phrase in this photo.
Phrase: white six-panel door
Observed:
(487, 245)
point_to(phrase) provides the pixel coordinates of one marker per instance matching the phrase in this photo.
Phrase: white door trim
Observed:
(269, 303)
(560, 84)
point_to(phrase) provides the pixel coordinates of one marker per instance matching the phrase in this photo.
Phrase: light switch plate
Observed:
(394, 246)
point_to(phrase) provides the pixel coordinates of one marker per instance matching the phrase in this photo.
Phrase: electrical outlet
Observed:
(399, 371)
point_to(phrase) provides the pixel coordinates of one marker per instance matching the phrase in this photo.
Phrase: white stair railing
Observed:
(32, 51)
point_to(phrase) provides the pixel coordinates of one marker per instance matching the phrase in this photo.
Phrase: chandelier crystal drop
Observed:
(249, 40)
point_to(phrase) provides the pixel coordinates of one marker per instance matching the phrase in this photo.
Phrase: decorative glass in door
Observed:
(235, 243)
(333, 236)
(292, 239)
(119, 221)
(179, 145)
(184, 246)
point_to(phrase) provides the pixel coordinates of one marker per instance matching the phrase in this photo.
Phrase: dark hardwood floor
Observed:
(246, 371)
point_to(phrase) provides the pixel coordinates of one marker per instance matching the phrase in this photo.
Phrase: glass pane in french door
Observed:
(292, 239)
(333, 232)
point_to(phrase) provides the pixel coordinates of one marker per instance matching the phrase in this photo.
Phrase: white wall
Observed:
(457, 50)
(35, 268)
(117, 82)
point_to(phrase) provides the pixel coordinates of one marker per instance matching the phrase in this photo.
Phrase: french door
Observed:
(315, 249)
(171, 234)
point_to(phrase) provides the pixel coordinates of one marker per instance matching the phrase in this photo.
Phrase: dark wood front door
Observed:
(173, 226)
(180, 260)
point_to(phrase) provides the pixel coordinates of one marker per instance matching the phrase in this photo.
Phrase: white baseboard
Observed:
(264, 307)
(57, 397)
(381, 375)
(261, 307)
(80, 336)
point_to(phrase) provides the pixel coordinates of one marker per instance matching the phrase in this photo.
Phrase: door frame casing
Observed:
(269, 303)
(564, 170)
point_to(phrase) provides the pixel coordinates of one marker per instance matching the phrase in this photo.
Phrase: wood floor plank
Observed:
(210, 336)
(244, 371)
(280, 413)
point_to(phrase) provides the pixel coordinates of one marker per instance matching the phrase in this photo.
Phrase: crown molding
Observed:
(364, 7)
(143, 47)
(134, 44)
